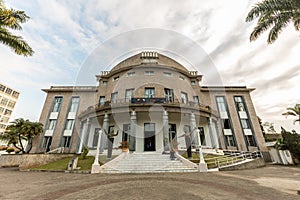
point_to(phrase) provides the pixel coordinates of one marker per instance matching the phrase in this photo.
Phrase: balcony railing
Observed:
(147, 101)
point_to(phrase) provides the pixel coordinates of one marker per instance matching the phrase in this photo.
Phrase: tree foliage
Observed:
(274, 15)
(11, 19)
(21, 130)
(295, 111)
(290, 141)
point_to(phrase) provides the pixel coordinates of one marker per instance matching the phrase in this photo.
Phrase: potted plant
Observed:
(124, 146)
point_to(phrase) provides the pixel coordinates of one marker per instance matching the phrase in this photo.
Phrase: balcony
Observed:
(139, 102)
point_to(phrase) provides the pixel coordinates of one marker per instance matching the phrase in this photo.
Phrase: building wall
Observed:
(117, 80)
(85, 102)
(8, 100)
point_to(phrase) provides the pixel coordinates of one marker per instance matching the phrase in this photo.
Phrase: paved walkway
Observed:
(271, 182)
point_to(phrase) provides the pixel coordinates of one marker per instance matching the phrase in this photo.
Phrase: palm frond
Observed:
(12, 18)
(276, 14)
(289, 113)
(16, 43)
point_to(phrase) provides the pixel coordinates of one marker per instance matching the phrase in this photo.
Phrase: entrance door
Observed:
(126, 132)
(172, 133)
(149, 137)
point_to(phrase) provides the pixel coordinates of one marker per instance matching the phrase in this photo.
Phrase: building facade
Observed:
(150, 101)
(8, 100)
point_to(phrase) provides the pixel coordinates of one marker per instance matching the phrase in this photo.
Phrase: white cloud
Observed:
(64, 33)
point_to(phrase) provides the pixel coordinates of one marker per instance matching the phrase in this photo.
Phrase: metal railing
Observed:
(232, 157)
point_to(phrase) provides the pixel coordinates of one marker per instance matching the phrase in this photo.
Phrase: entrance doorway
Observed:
(149, 137)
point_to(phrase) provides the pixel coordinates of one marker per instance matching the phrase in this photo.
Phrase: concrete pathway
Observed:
(271, 182)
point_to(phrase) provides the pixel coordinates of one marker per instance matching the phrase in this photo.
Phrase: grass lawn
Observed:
(83, 164)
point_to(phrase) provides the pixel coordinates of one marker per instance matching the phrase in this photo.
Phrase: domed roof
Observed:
(148, 57)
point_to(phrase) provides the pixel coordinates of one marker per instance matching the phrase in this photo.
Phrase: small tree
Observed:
(291, 141)
(20, 130)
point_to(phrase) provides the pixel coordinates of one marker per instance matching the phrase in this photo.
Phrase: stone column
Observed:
(210, 132)
(87, 134)
(132, 135)
(80, 140)
(96, 166)
(82, 136)
(193, 126)
(166, 143)
(213, 134)
(103, 136)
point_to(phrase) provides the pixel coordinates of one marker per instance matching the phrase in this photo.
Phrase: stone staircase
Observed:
(147, 163)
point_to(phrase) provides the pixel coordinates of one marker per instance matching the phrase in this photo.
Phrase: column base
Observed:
(95, 169)
(203, 167)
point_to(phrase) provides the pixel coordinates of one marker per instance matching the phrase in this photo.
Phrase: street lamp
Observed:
(202, 164)
(96, 165)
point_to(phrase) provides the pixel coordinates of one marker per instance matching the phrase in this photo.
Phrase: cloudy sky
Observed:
(65, 33)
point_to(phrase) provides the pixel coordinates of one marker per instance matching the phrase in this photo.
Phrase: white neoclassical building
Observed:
(149, 99)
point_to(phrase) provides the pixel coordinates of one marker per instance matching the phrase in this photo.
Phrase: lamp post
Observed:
(96, 165)
(202, 164)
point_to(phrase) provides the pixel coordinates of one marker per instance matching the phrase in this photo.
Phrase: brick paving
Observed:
(271, 182)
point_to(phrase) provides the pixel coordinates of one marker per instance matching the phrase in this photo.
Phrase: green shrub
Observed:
(84, 152)
(10, 149)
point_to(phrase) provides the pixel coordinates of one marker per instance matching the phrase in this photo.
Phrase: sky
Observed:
(65, 33)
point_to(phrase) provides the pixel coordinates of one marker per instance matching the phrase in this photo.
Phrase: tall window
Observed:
(244, 120)
(101, 100)
(129, 94)
(221, 104)
(184, 97)
(114, 97)
(66, 142)
(149, 93)
(196, 100)
(239, 103)
(169, 95)
(57, 104)
(225, 121)
(250, 140)
(74, 104)
(52, 124)
(70, 124)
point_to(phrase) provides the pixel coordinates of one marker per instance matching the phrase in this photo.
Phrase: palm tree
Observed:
(274, 14)
(31, 130)
(12, 19)
(19, 130)
(295, 111)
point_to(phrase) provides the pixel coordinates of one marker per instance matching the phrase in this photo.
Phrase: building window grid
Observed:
(66, 141)
(57, 104)
(168, 74)
(149, 92)
(129, 74)
(184, 98)
(51, 124)
(225, 123)
(149, 73)
(8, 91)
(114, 97)
(2, 88)
(101, 100)
(69, 124)
(74, 104)
(245, 123)
(129, 94)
